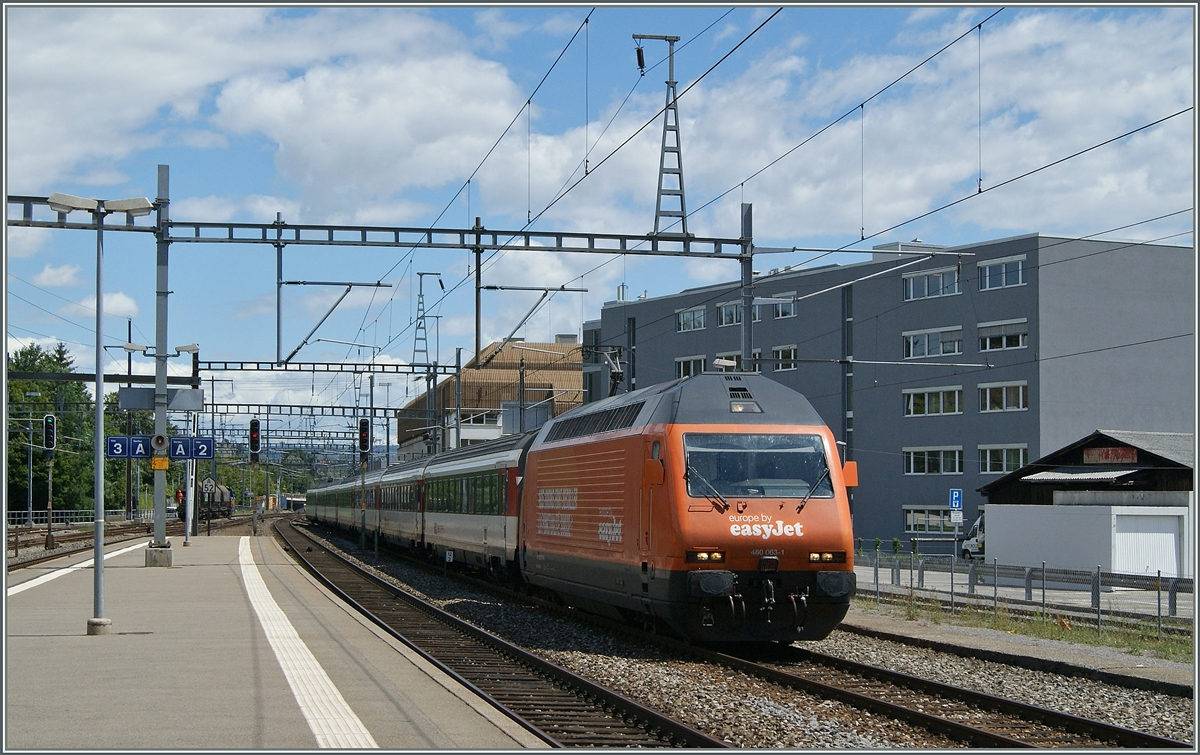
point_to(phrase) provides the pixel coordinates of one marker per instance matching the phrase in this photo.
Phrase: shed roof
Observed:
(1174, 447)
(1178, 447)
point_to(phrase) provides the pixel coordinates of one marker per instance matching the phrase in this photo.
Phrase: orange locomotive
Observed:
(714, 505)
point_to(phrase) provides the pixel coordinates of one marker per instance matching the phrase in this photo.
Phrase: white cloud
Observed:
(202, 139)
(116, 304)
(20, 243)
(496, 29)
(210, 208)
(65, 275)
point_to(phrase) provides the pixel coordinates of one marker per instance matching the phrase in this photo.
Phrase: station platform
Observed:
(233, 647)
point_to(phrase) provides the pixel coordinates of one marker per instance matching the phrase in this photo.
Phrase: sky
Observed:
(844, 127)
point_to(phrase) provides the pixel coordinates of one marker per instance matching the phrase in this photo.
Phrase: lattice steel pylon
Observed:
(420, 340)
(670, 161)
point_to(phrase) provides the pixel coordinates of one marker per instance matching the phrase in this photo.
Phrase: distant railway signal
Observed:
(364, 440)
(48, 432)
(255, 441)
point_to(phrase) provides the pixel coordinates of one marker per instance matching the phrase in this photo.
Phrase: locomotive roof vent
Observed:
(739, 392)
(733, 378)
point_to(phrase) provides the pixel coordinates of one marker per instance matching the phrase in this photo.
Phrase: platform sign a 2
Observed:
(204, 447)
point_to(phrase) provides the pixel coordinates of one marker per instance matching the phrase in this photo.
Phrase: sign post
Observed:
(956, 502)
(208, 487)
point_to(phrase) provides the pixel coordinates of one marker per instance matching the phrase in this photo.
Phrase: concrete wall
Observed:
(1115, 538)
(1138, 298)
(1065, 537)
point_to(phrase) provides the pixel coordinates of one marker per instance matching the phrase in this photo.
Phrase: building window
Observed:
(994, 336)
(921, 402)
(729, 313)
(931, 519)
(756, 313)
(1002, 273)
(932, 343)
(688, 366)
(736, 358)
(689, 319)
(784, 357)
(784, 308)
(1003, 397)
(1002, 459)
(933, 460)
(929, 284)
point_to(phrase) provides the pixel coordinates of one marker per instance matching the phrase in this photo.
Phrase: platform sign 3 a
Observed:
(139, 447)
(178, 447)
(116, 447)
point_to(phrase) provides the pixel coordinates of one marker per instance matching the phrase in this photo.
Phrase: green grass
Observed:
(1138, 640)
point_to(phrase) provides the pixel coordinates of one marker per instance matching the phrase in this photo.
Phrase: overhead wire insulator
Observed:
(641, 57)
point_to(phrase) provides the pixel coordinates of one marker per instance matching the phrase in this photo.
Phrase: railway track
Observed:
(974, 718)
(78, 542)
(564, 709)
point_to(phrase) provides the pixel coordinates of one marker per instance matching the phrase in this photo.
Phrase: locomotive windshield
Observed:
(756, 466)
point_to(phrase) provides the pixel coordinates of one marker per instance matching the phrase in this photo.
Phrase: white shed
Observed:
(1129, 532)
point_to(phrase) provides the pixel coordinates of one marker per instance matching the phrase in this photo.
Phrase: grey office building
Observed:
(940, 371)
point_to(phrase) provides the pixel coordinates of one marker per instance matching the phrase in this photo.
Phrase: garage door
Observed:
(1146, 544)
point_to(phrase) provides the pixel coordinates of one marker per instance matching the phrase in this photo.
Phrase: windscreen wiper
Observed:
(813, 489)
(692, 471)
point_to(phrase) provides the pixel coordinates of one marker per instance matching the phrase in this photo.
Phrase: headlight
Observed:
(827, 557)
(694, 557)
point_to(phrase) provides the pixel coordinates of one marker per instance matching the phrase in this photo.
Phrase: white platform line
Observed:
(59, 572)
(328, 714)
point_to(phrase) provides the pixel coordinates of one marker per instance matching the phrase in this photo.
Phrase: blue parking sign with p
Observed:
(956, 498)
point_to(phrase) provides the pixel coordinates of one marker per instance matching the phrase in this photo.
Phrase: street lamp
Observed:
(133, 207)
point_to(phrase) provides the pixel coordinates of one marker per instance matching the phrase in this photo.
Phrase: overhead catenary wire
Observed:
(653, 119)
(843, 116)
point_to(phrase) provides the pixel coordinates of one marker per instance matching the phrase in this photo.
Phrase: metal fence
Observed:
(1092, 595)
(79, 516)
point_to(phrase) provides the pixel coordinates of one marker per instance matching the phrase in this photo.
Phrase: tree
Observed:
(73, 460)
(74, 410)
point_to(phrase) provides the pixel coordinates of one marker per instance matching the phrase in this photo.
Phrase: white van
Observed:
(972, 544)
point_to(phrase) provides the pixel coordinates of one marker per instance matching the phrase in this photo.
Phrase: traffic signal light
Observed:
(255, 441)
(48, 427)
(364, 434)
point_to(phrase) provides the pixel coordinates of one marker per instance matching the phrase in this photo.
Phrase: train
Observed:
(714, 507)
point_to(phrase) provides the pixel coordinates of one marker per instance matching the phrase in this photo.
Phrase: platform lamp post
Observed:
(133, 207)
(29, 493)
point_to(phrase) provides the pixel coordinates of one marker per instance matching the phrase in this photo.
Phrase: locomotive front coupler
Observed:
(768, 598)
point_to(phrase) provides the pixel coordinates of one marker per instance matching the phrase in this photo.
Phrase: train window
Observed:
(756, 465)
(655, 449)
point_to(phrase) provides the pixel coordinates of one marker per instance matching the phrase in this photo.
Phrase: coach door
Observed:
(652, 486)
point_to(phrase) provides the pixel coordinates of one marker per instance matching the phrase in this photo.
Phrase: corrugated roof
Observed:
(1066, 474)
(1178, 447)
